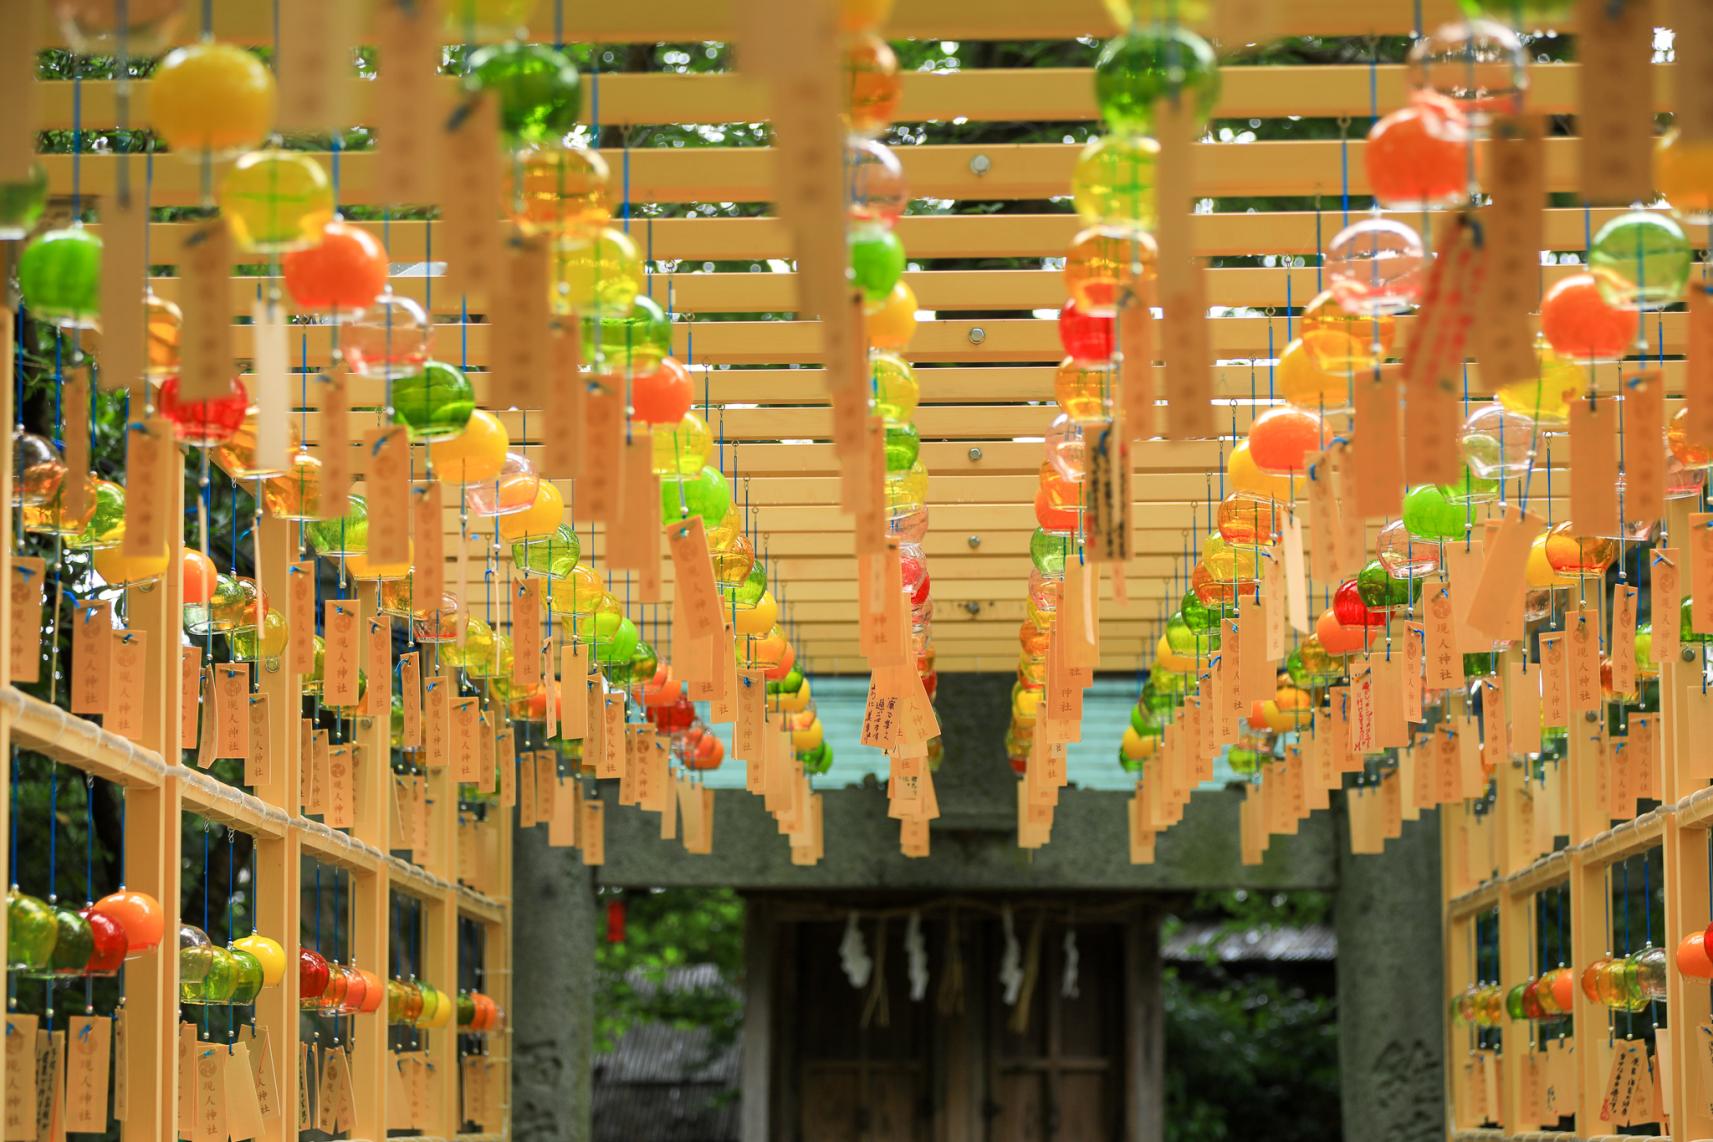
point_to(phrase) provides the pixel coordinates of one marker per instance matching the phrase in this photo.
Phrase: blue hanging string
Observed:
(53, 833)
(231, 885)
(76, 144)
(89, 838)
(17, 820)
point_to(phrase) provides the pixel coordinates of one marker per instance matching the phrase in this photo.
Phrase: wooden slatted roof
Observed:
(987, 357)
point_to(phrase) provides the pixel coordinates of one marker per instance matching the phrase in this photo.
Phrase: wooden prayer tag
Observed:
(205, 272)
(1615, 112)
(470, 183)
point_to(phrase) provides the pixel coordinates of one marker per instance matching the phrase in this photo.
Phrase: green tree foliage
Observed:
(667, 929)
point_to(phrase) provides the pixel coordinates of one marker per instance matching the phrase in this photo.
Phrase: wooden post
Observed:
(1144, 1031)
(756, 1072)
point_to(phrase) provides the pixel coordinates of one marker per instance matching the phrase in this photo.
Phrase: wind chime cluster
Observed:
(1374, 426)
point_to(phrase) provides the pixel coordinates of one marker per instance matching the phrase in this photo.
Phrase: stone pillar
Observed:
(1391, 987)
(553, 990)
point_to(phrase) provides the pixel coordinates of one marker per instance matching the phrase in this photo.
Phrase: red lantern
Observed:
(202, 423)
(913, 566)
(780, 669)
(374, 991)
(313, 973)
(345, 272)
(1692, 956)
(663, 689)
(110, 943)
(356, 991)
(1281, 439)
(709, 752)
(138, 914)
(1349, 609)
(196, 578)
(616, 920)
(487, 1013)
(1020, 765)
(1418, 156)
(1336, 638)
(931, 682)
(674, 718)
(1580, 326)
(1084, 336)
(1052, 517)
(663, 396)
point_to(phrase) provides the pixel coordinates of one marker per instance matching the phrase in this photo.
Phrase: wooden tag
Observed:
(562, 429)
(429, 540)
(270, 384)
(408, 105)
(1594, 467)
(340, 808)
(519, 372)
(124, 281)
(598, 488)
(1444, 660)
(1185, 342)
(20, 1078)
(232, 710)
(190, 683)
(1582, 631)
(1499, 597)
(1644, 456)
(75, 417)
(526, 632)
(437, 721)
(149, 452)
(1629, 1086)
(315, 62)
(505, 761)
(693, 575)
(1377, 454)
(210, 1093)
(1107, 518)
(20, 91)
(1702, 1052)
(327, 1093)
(1698, 363)
(1614, 114)
(91, 656)
(1666, 597)
(25, 639)
(470, 184)
(1136, 367)
(378, 660)
(243, 1105)
(89, 1040)
(592, 828)
(205, 299)
(1555, 680)
(1623, 639)
(344, 1097)
(1513, 235)
(466, 767)
(386, 451)
(300, 617)
(338, 468)
(130, 660)
(339, 660)
(1433, 361)
(305, 1071)
(410, 685)
(1700, 573)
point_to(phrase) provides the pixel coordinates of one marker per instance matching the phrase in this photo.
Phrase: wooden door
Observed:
(856, 1083)
(1059, 1075)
